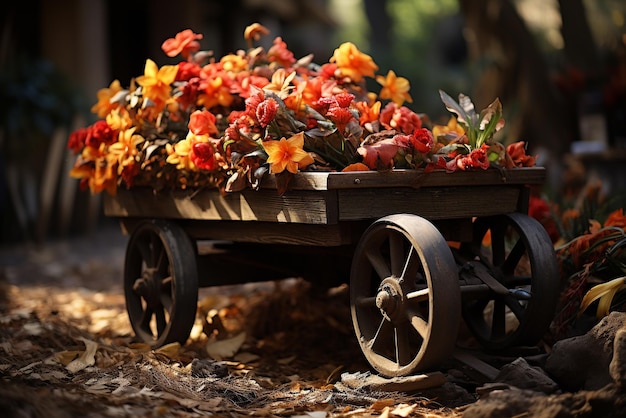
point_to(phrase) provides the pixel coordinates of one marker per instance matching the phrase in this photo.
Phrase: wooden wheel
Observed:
(161, 283)
(517, 252)
(404, 295)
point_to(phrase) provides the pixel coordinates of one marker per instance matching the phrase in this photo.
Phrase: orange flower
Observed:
(367, 113)
(157, 82)
(356, 167)
(394, 88)
(517, 151)
(616, 218)
(104, 105)
(202, 122)
(353, 63)
(216, 92)
(287, 154)
(254, 32)
(185, 43)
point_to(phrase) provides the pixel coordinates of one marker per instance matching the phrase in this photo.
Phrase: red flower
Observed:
(517, 151)
(76, 141)
(203, 156)
(266, 111)
(202, 122)
(538, 208)
(475, 159)
(379, 156)
(187, 71)
(280, 54)
(400, 118)
(344, 99)
(100, 133)
(340, 117)
(422, 140)
(185, 43)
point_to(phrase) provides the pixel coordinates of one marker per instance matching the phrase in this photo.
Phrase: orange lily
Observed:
(287, 154)
(394, 88)
(353, 63)
(104, 105)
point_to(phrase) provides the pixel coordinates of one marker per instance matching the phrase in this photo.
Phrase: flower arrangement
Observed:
(225, 123)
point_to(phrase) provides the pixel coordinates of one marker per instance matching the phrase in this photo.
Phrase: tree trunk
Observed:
(516, 72)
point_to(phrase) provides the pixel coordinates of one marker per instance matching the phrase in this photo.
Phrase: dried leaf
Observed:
(403, 410)
(221, 349)
(86, 359)
(170, 350)
(605, 293)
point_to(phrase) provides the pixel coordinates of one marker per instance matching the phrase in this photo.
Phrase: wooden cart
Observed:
(421, 252)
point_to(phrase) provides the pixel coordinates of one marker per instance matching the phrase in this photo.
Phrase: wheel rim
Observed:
(160, 283)
(402, 273)
(520, 255)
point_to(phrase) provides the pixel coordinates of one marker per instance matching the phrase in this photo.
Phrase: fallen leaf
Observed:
(221, 349)
(403, 410)
(170, 350)
(86, 359)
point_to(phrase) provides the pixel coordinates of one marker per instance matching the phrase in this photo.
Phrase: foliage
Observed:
(227, 122)
(590, 248)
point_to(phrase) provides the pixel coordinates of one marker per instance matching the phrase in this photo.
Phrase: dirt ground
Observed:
(67, 348)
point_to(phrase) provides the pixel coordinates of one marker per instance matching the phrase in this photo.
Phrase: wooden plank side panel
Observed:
(309, 207)
(419, 179)
(429, 202)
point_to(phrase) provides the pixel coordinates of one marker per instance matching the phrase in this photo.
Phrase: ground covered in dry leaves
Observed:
(67, 349)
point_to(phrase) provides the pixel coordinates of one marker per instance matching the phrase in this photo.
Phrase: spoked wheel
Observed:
(404, 295)
(515, 250)
(161, 283)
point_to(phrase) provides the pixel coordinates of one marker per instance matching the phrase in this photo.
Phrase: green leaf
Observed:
(454, 107)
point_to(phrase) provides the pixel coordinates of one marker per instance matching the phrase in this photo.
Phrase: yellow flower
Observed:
(104, 105)
(123, 152)
(180, 153)
(394, 88)
(353, 63)
(119, 119)
(281, 83)
(287, 153)
(156, 82)
(451, 127)
(234, 63)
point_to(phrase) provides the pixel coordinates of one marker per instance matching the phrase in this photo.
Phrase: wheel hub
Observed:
(147, 286)
(389, 298)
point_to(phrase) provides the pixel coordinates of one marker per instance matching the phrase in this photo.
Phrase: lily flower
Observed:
(287, 154)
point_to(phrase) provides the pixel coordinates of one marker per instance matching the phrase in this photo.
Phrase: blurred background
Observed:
(558, 67)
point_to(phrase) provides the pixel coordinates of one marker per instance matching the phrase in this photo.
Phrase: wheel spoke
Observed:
(418, 296)
(144, 250)
(497, 244)
(514, 257)
(379, 263)
(366, 302)
(515, 307)
(396, 254)
(420, 325)
(498, 322)
(146, 317)
(403, 345)
(411, 267)
(383, 336)
(160, 320)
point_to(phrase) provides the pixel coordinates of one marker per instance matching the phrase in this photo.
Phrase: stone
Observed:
(617, 367)
(582, 362)
(522, 375)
